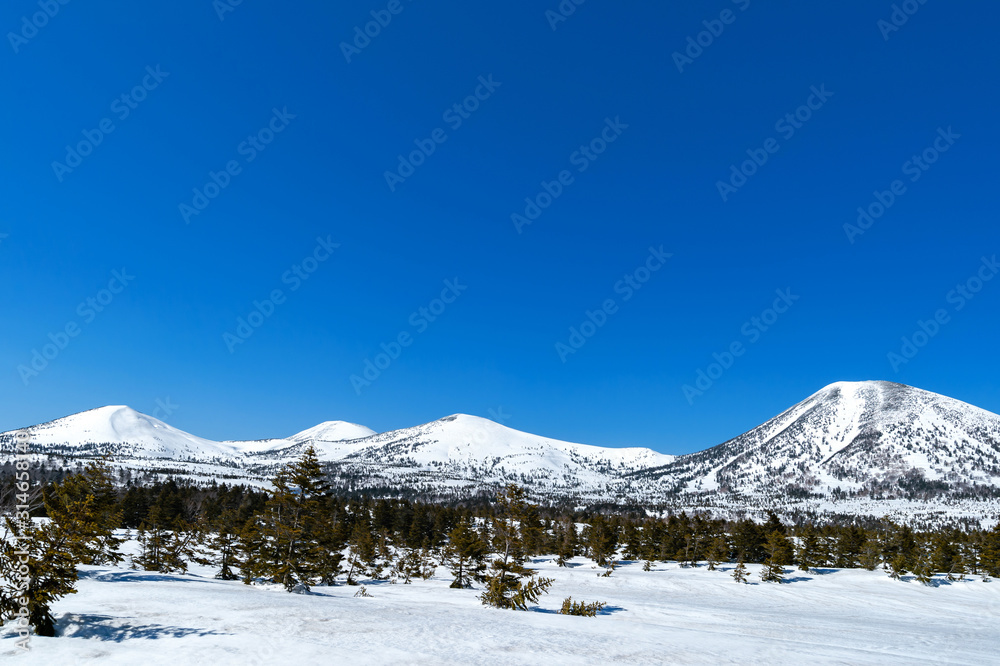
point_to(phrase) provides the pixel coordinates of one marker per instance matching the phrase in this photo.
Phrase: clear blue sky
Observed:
(323, 175)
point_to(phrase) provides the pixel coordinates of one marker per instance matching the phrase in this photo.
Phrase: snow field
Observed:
(667, 615)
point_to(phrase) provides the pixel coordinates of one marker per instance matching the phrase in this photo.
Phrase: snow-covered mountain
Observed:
(332, 431)
(851, 440)
(457, 453)
(121, 431)
(462, 451)
(874, 438)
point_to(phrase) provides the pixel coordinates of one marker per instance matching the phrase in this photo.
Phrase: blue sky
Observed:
(621, 145)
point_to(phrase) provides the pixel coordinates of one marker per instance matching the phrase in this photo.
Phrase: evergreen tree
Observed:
(631, 541)
(86, 506)
(897, 566)
(718, 551)
(601, 540)
(292, 526)
(51, 573)
(870, 555)
(990, 552)
(808, 549)
(748, 541)
(849, 545)
(407, 566)
(510, 584)
(465, 554)
(38, 562)
(779, 548)
(530, 526)
(922, 570)
(566, 542)
(740, 572)
(779, 553)
(219, 545)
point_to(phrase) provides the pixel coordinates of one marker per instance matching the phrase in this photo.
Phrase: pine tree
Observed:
(740, 572)
(362, 554)
(86, 506)
(779, 553)
(897, 566)
(154, 538)
(427, 564)
(530, 526)
(958, 568)
(583, 609)
(748, 541)
(407, 566)
(510, 584)
(922, 570)
(51, 572)
(870, 555)
(219, 545)
(632, 541)
(293, 551)
(718, 551)
(990, 552)
(808, 550)
(601, 540)
(83, 516)
(772, 572)
(465, 555)
(652, 540)
(566, 543)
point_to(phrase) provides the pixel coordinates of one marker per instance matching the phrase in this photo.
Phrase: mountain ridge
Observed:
(870, 439)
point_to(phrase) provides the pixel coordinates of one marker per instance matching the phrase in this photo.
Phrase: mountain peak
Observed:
(333, 431)
(869, 437)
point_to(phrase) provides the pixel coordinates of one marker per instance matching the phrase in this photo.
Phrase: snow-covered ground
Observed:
(668, 615)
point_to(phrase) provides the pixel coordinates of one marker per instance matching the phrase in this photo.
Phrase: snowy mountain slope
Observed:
(468, 448)
(124, 433)
(332, 431)
(121, 431)
(456, 451)
(873, 437)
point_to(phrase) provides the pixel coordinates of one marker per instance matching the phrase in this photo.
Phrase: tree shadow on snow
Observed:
(607, 610)
(108, 576)
(94, 627)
